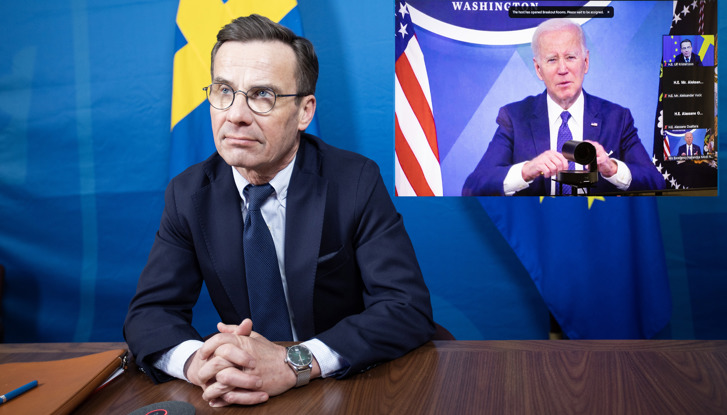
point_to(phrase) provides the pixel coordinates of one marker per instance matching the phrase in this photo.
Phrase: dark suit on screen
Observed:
(693, 59)
(695, 150)
(523, 133)
(353, 278)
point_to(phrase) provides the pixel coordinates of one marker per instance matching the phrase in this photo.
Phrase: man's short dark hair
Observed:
(260, 28)
(685, 40)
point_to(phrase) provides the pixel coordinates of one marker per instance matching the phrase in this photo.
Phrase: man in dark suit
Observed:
(525, 152)
(687, 56)
(688, 149)
(351, 284)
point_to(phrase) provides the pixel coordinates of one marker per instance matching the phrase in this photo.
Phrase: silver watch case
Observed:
(300, 359)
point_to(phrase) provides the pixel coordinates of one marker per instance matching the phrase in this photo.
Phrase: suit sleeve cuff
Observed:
(329, 361)
(172, 362)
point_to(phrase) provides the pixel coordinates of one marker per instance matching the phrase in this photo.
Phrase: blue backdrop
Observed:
(85, 103)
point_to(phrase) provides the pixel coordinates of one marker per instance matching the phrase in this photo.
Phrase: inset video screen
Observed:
(479, 111)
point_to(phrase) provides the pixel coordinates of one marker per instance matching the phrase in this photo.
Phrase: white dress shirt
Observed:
(273, 211)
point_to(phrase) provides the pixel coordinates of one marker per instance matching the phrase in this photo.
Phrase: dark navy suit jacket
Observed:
(695, 150)
(353, 278)
(523, 133)
(695, 59)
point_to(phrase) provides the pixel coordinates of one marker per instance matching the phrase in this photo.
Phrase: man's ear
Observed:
(306, 112)
(537, 69)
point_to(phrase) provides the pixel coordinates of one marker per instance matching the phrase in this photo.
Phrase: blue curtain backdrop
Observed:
(85, 144)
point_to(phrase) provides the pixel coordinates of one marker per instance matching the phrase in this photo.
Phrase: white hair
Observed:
(554, 25)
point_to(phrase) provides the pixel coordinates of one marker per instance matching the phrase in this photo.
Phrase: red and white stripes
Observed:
(418, 171)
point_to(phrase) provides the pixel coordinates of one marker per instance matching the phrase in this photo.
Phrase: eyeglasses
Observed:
(261, 100)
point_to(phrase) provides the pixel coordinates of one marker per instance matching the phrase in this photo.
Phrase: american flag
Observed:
(418, 172)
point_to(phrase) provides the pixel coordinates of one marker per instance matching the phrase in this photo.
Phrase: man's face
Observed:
(689, 138)
(562, 65)
(687, 49)
(259, 145)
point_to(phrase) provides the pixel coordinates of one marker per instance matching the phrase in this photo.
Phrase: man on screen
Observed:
(292, 237)
(525, 152)
(688, 149)
(687, 56)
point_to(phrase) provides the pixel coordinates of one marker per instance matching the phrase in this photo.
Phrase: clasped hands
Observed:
(240, 366)
(550, 162)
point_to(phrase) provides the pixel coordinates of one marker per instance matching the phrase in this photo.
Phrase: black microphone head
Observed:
(580, 152)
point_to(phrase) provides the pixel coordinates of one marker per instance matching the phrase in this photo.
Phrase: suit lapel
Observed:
(591, 119)
(220, 217)
(539, 125)
(305, 208)
(540, 135)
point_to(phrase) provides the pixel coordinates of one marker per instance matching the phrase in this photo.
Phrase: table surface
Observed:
(463, 377)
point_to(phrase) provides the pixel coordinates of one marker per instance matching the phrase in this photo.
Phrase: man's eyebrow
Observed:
(220, 80)
(264, 84)
(269, 86)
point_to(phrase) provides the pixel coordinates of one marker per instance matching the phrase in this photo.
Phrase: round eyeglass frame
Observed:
(247, 97)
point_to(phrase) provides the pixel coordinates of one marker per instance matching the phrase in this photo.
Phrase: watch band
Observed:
(303, 377)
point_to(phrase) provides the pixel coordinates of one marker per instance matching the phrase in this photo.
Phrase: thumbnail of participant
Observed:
(687, 56)
(688, 149)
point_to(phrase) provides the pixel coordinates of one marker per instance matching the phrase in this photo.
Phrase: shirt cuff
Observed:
(329, 361)
(514, 180)
(622, 178)
(172, 362)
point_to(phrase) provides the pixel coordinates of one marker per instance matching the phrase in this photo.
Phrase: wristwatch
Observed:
(300, 359)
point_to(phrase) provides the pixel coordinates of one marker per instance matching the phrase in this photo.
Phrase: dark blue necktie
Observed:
(564, 135)
(268, 307)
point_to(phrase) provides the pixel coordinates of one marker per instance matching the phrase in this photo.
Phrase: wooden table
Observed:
(466, 377)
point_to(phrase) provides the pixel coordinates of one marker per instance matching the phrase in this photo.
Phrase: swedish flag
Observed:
(197, 25)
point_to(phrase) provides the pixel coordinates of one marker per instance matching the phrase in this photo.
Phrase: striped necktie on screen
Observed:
(564, 135)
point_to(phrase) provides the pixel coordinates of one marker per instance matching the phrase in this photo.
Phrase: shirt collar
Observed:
(576, 110)
(280, 182)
